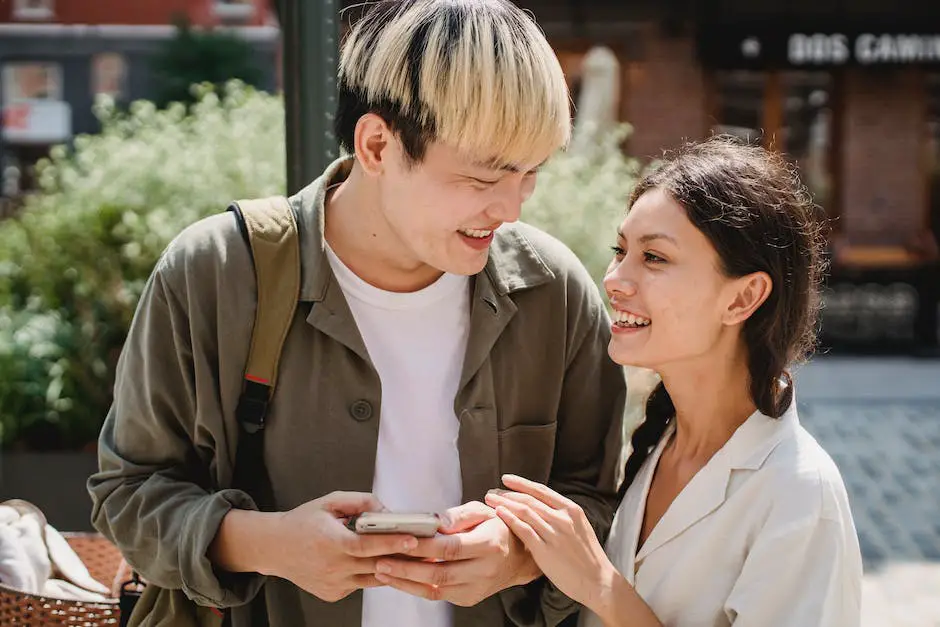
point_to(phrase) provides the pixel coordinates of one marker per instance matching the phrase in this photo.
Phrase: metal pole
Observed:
(310, 57)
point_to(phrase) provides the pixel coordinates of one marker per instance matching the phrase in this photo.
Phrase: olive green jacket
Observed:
(538, 397)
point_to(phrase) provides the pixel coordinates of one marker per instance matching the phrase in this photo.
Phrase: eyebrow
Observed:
(644, 239)
(496, 164)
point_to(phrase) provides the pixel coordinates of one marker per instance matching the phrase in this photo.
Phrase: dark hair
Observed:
(750, 204)
(414, 127)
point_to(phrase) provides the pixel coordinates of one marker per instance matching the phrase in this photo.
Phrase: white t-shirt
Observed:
(417, 342)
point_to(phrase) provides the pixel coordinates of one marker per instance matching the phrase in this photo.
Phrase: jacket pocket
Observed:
(527, 450)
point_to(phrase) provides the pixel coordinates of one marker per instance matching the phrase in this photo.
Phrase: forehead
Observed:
(443, 154)
(656, 211)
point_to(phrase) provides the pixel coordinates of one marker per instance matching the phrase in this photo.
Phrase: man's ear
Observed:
(371, 143)
(749, 293)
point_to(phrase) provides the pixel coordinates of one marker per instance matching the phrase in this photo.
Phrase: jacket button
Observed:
(361, 410)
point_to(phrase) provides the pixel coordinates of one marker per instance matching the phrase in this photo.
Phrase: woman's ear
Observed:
(749, 293)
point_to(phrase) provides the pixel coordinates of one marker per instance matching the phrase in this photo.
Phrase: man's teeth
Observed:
(628, 319)
(477, 233)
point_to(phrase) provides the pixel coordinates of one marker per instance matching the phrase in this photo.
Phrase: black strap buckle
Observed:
(253, 406)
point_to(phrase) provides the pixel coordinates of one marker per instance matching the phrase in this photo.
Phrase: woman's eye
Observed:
(653, 258)
(618, 251)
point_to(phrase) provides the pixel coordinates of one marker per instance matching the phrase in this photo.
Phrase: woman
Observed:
(732, 514)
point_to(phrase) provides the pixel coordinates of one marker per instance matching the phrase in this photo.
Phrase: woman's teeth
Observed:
(477, 233)
(625, 319)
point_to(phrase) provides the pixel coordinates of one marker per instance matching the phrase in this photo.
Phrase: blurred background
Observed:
(122, 122)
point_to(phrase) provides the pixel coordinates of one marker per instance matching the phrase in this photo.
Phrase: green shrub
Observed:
(73, 264)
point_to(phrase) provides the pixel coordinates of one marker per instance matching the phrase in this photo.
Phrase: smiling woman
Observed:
(714, 285)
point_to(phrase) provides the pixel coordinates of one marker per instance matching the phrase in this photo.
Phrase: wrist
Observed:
(247, 542)
(611, 592)
(526, 570)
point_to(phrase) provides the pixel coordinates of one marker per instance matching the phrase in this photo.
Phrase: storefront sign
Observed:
(763, 46)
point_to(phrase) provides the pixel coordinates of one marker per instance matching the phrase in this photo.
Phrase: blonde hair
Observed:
(476, 75)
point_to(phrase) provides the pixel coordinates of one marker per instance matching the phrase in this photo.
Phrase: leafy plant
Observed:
(73, 264)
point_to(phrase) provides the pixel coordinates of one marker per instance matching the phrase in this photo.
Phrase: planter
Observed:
(53, 482)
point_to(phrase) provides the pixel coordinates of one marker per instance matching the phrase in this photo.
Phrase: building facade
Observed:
(57, 56)
(849, 90)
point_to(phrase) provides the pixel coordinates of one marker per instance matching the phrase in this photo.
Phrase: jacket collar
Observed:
(748, 449)
(513, 263)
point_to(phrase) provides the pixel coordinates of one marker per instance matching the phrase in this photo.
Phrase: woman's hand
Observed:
(557, 533)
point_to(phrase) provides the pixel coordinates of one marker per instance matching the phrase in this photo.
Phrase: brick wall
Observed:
(665, 94)
(884, 191)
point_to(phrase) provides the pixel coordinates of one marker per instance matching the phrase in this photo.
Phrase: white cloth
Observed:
(32, 551)
(417, 342)
(762, 536)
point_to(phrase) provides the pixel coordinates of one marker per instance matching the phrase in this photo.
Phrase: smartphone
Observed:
(420, 525)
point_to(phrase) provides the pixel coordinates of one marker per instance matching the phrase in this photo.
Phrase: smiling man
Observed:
(437, 344)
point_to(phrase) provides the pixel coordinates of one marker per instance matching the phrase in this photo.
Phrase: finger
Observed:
(410, 587)
(367, 581)
(351, 503)
(543, 509)
(376, 545)
(465, 517)
(539, 491)
(524, 532)
(529, 516)
(459, 546)
(434, 574)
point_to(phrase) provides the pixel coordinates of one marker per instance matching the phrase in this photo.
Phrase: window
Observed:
(108, 74)
(33, 9)
(234, 10)
(807, 131)
(790, 111)
(33, 109)
(31, 81)
(739, 104)
(933, 153)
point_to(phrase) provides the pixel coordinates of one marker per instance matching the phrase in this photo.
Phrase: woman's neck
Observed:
(712, 399)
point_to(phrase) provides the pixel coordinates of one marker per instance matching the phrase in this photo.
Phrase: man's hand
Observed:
(474, 557)
(319, 554)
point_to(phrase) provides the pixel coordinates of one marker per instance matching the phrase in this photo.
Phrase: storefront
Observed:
(856, 106)
(847, 92)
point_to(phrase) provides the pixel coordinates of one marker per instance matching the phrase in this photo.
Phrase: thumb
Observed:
(465, 517)
(343, 504)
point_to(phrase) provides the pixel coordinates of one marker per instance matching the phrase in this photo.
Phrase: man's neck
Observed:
(356, 230)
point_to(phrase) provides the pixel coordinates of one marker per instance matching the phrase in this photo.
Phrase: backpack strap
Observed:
(269, 226)
(270, 229)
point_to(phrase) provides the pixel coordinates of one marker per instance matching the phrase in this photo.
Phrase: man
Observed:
(436, 345)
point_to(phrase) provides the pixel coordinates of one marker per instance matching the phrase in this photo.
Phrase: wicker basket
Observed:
(102, 560)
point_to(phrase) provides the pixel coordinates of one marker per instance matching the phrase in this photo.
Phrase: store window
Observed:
(739, 104)
(789, 111)
(807, 133)
(933, 151)
(108, 75)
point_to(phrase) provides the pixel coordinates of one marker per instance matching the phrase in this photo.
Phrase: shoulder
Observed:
(203, 251)
(532, 250)
(805, 481)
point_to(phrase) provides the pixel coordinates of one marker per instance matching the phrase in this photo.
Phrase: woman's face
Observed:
(671, 301)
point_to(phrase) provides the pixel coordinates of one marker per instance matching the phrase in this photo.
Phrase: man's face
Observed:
(446, 208)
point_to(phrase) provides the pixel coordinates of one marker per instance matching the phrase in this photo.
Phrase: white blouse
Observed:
(762, 536)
